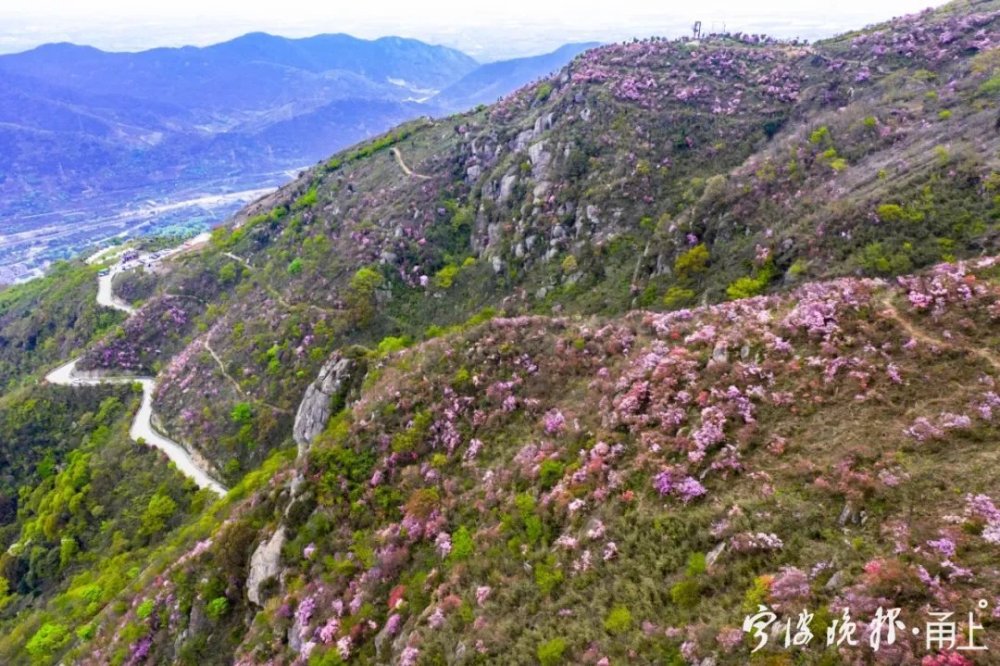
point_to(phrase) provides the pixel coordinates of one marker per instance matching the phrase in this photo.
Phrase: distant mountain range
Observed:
(87, 134)
(486, 83)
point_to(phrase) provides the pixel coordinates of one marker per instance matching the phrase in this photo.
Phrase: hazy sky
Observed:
(486, 29)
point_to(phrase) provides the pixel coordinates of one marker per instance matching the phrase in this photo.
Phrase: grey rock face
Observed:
(540, 159)
(264, 563)
(507, 186)
(329, 391)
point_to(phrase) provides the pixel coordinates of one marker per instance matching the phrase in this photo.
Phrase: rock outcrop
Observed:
(338, 378)
(264, 563)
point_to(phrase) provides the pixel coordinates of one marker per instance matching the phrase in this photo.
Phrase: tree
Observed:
(159, 510)
(49, 638)
(361, 294)
(227, 273)
(691, 262)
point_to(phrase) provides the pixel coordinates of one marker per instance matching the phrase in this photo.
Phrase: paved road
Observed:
(142, 424)
(106, 296)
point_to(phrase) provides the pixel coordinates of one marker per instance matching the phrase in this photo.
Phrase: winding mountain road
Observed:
(106, 295)
(142, 425)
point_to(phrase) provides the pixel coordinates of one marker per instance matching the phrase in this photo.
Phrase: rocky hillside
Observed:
(654, 174)
(588, 375)
(575, 490)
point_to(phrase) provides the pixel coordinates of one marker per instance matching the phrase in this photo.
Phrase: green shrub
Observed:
(543, 92)
(145, 609)
(325, 657)
(217, 607)
(533, 530)
(462, 545)
(547, 576)
(158, 512)
(391, 345)
(619, 620)
(677, 296)
(409, 439)
(242, 412)
(798, 268)
(49, 638)
(445, 277)
(295, 267)
(462, 378)
(819, 135)
(991, 86)
(549, 473)
(361, 293)
(758, 593)
(874, 259)
(306, 200)
(890, 212)
(228, 272)
(342, 465)
(550, 653)
(697, 564)
(686, 593)
(745, 287)
(525, 504)
(692, 261)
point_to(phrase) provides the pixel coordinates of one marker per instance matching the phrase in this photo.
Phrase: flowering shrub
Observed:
(151, 335)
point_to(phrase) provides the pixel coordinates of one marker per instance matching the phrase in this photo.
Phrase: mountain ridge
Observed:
(585, 376)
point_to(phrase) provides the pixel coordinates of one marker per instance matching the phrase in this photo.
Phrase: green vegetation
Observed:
(361, 294)
(306, 200)
(550, 653)
(242, 412)
(619, 620)
(369, 149)
(445, 277)
(217, 608)
(691, 262)
(45, 321)
(751, 285)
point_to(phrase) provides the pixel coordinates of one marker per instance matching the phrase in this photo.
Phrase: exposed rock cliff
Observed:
(264, 563)
(340, 376)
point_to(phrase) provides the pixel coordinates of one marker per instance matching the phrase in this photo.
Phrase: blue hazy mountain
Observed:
(86, 133)
(489, 82)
